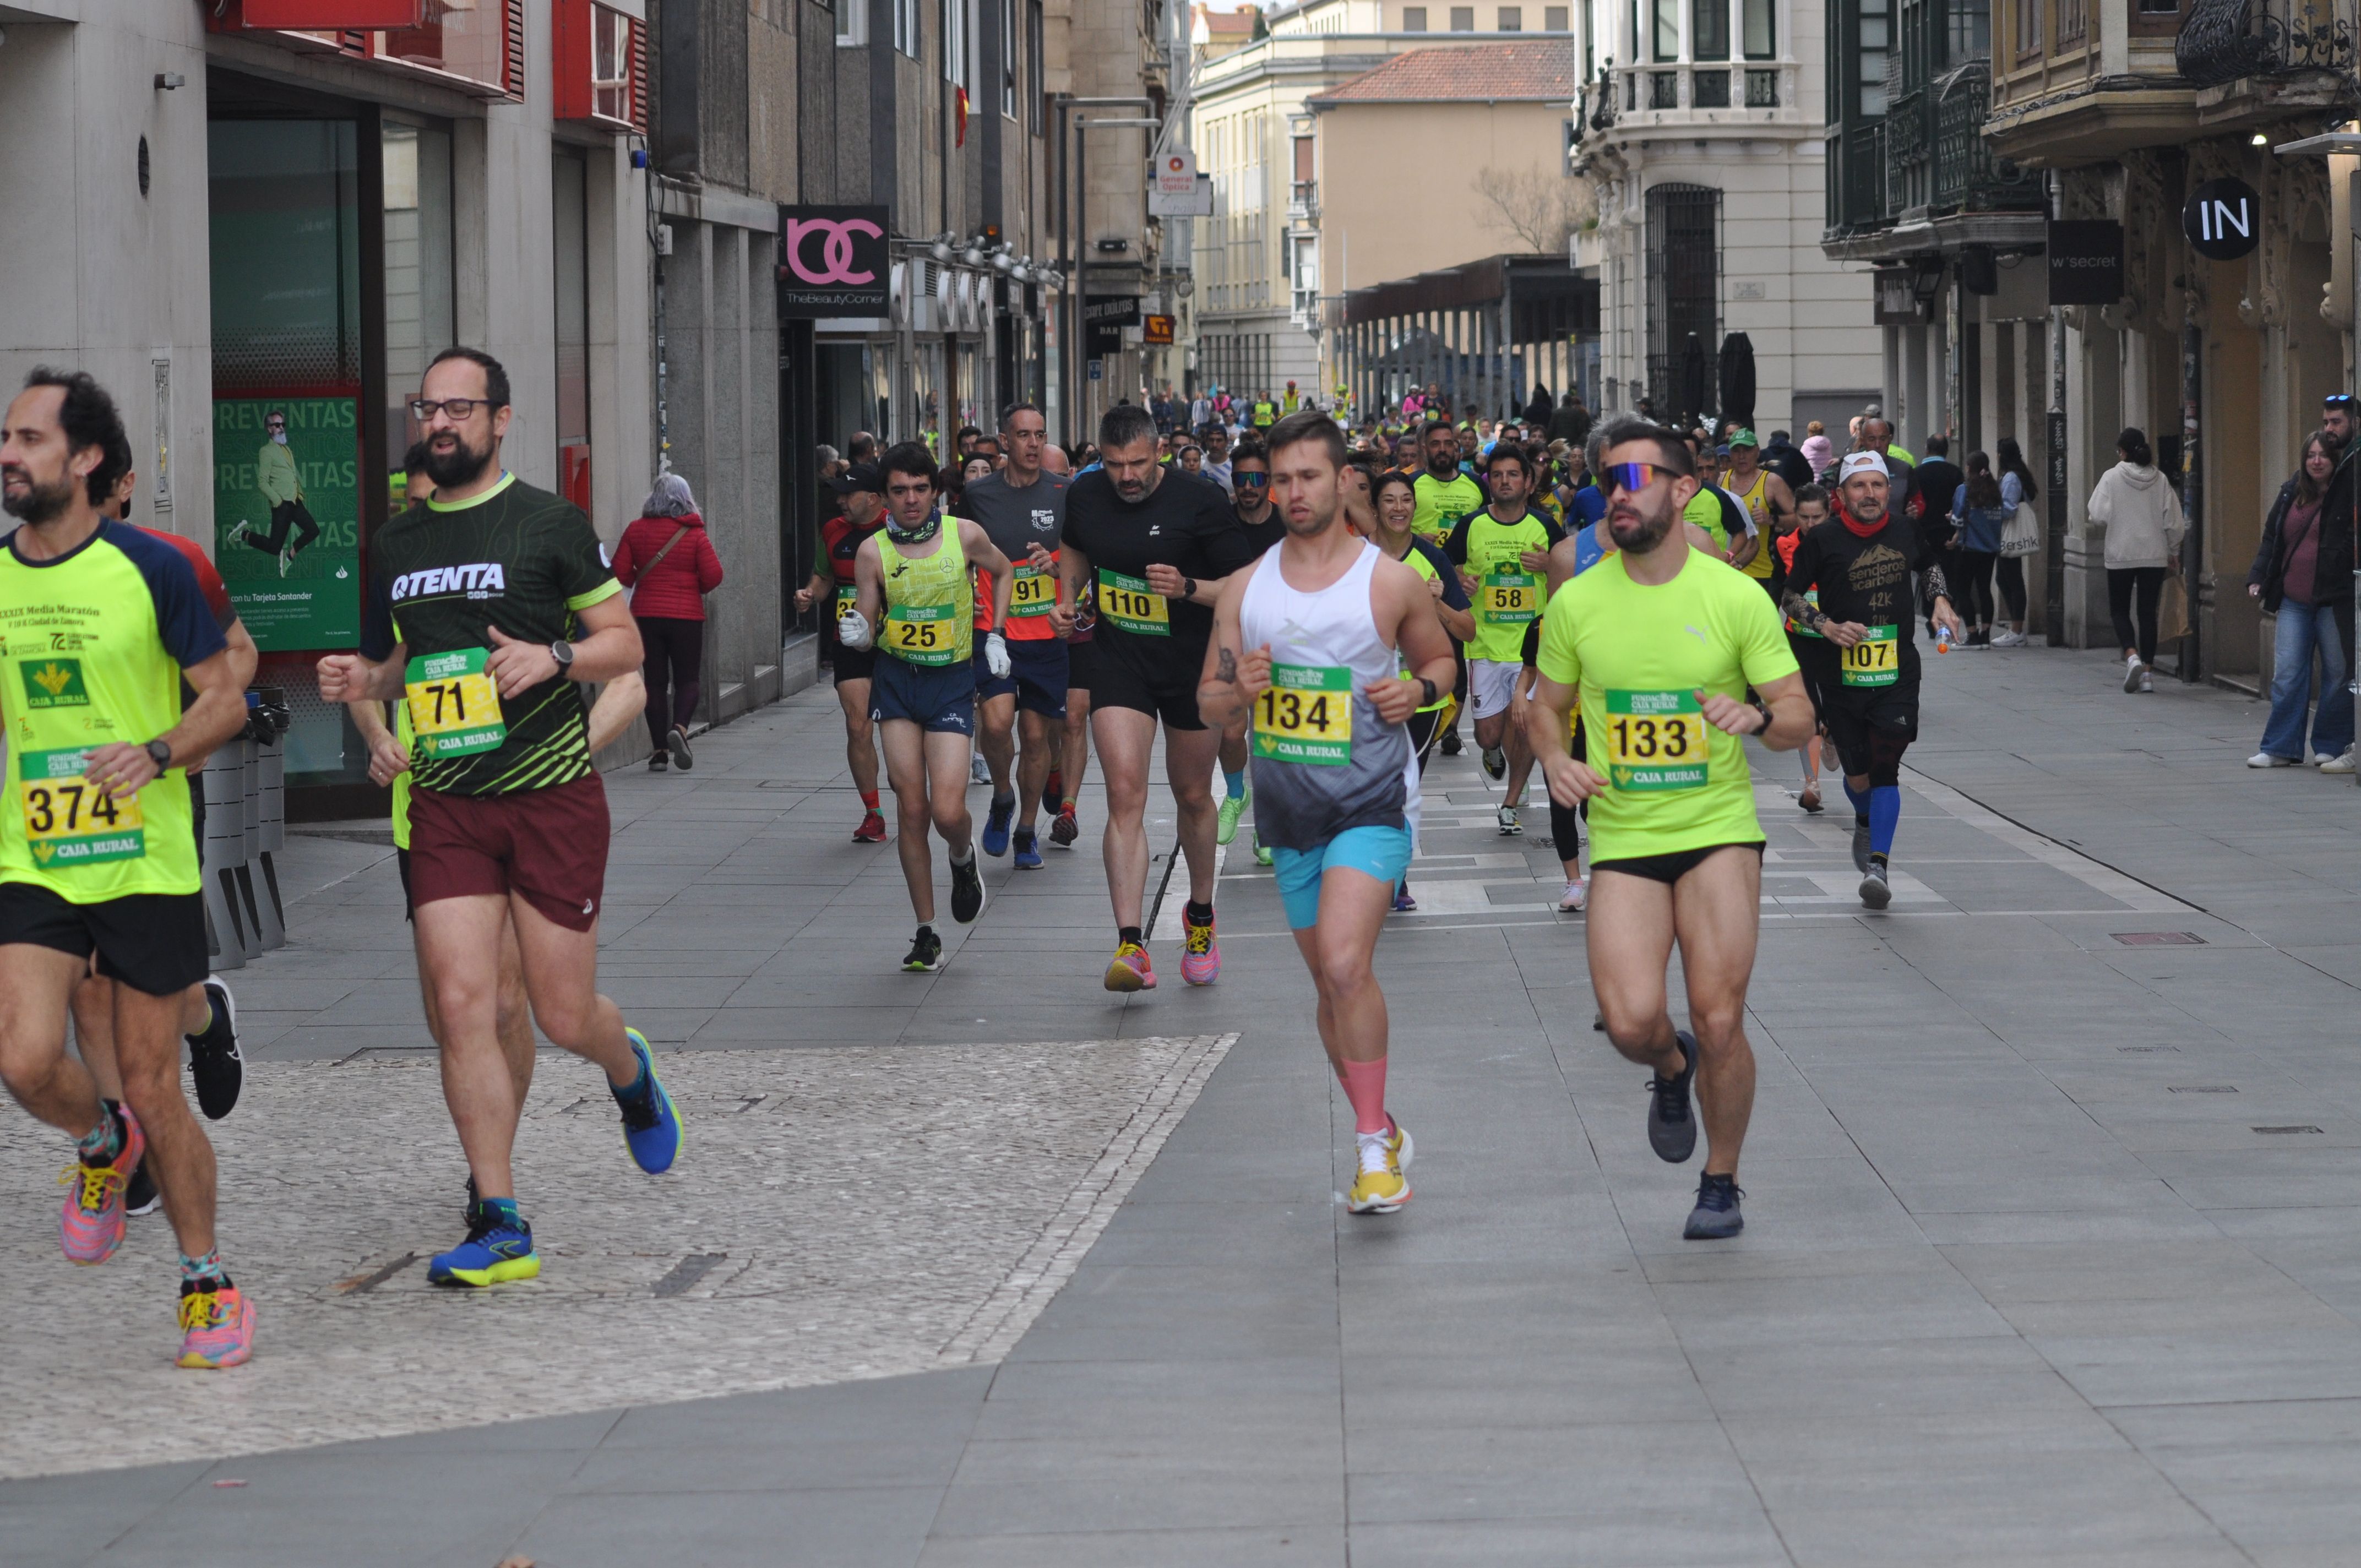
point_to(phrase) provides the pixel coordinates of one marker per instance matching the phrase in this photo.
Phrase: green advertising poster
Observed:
(287, 517)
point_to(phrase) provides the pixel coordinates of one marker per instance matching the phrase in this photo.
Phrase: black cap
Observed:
(859, 477)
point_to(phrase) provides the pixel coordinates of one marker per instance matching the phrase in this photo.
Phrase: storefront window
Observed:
(418, 282)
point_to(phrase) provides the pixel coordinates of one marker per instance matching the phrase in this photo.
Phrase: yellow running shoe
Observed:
(1381, 1188)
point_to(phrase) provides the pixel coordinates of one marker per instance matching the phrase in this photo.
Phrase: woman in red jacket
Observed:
(667, 562)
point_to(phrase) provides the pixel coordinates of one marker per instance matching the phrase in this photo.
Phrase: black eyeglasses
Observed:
(424, 408)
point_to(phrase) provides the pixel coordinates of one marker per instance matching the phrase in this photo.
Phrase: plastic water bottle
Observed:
(1942, 638)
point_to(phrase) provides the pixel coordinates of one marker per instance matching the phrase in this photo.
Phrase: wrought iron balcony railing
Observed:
(2229, 40)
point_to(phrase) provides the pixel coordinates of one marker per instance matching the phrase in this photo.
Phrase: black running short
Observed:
(1870, 733)
(1170, 696)
(1082, 665)
(153, 942)
(1670, 869)
(854, 663)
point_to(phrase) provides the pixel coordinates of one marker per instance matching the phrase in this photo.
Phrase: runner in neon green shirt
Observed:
(1658, 644)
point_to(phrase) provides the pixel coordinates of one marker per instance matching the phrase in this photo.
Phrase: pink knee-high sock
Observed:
(1364, 1086)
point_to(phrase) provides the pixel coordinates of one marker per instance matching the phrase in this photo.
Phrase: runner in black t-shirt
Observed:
(1156, 545)
(861, 489)
(1860, 561)
(1260, 522)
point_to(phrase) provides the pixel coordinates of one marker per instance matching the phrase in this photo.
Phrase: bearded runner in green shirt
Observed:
(1658, 644)
(486, 608)
(1502, 555)
(99, 624)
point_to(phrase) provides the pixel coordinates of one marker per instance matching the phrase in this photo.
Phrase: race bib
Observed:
(1874, 660)
(454, 708)
(1129, 603)
(1510, 598)
(69, 822)
(1656, 741)
(1034, 592)
(846, 597)
(922, 633)
(1306, 715)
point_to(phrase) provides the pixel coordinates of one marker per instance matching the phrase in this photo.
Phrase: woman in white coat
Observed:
(2141, 513)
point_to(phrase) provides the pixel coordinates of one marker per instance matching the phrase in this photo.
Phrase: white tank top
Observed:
(1324, 761)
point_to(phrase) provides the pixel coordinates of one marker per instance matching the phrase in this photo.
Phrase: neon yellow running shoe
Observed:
(1381, 1188)
(1225, 819)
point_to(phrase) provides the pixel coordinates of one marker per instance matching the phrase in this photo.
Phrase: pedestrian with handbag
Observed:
(2286, 580)
(2020, 536)
(667, 562)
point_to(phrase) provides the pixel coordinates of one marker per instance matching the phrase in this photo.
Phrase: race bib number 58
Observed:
(1656, 741)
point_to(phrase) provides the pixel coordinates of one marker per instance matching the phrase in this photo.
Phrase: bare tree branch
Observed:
(1539, 208)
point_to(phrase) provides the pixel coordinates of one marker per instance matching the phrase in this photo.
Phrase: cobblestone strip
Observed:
(1066, 1239)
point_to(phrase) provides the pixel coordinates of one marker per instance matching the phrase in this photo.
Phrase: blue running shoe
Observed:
(1029, 852)
(995, 824)
(498, 1249)
(651, 1125)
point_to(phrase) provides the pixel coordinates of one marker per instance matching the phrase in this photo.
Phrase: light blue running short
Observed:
(1379, 853)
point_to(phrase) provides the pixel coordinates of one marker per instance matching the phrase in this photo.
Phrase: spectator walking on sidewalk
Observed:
(667, 562)
(2016, 489)
(2286, 579)
(2137, 508)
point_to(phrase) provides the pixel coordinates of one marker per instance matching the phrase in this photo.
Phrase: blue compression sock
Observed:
(1884, 816)
(1859, 800)
(1236, 783)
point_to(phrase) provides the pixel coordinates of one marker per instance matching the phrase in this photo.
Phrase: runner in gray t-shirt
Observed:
(1024, 510)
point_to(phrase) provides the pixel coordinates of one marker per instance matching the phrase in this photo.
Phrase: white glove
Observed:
(996, 655)
(852, 631)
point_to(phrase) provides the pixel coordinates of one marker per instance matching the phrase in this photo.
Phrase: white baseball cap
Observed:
(1860, 462)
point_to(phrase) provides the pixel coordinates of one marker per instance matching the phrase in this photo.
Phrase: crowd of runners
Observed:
(1303, 622)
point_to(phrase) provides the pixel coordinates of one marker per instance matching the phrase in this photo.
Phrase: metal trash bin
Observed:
(224, 781)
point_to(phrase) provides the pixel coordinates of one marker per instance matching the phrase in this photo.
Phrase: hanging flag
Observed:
(960, 140)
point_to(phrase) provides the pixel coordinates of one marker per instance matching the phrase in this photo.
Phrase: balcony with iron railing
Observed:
(2255, 61)
(1303, 201)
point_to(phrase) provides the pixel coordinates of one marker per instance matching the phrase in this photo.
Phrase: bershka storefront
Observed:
(356, 197)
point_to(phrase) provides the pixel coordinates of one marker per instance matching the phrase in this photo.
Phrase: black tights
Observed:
(2008, 571)
(1975, 586)
(674, 649)
(2121, 583)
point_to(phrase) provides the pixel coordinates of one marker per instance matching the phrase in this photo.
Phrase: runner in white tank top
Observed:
(1309, 645)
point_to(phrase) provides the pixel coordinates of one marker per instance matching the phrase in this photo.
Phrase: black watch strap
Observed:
(159, 752)
(1433, 695)
(1765, 709)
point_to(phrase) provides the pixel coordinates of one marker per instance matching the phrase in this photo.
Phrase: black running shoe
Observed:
(213, 1059)
(139, 1194)
(676, 743)
(1716, 1216)
(1451, 746)
(1672, 1126)
(925, 952)
(1876, 892)
(967, 891)
(1496, 764)
(1861, 844)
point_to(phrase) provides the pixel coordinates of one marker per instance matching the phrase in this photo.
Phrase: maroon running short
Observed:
(549, 845)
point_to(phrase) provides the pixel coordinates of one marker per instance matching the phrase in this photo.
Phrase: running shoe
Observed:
(216, 1325)
(1226, 817)
(1403, 902)
(1810, 800)
(2133, 670)
(1398, 1141)
(651, 1125)
(1876, 892)
(1064, 829)
(967, 890)
(995, 824)
(2267, 759)
(91, 1226)
(214, 1058)
(286, 559)
(139, 1194)
(659, 763)
(1053, 788)
(1578, 893)
(1381, 1188)
(1029, 850)
(978, 772)
(498, 1249)
(677, 742)
(1131, 969)
(2146, 683)
(2008, 639)
(2342, 764)
(1716, 1216)
(926, 954)
(1496, 764)
(1672, 1128)
(1262, 852)
(1201, 959)
(871, 830)
(1451, 745)
(1510, 827)
(1861, 844)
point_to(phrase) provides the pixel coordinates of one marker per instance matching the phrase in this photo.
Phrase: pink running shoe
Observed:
(1130, 969)
(91, 1226)
(217, 1328)
(1200, 960)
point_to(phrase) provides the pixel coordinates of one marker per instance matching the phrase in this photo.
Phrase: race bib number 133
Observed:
(1656, 741)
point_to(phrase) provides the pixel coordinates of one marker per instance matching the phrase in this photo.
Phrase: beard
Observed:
(1442, 463)
(462, 464)
(1636, 533)
(40, 503)
(1867, 512)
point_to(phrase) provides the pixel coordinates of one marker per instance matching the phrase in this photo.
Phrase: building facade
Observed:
(1699, 123)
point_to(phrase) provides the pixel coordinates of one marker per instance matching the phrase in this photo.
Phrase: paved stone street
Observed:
(2051, 1190)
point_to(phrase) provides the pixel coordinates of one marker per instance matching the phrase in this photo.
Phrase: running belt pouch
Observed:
(2022, 533)
(681, 533)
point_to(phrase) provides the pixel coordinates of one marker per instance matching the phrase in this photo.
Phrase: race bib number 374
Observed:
(1656, 741)
(71, 822)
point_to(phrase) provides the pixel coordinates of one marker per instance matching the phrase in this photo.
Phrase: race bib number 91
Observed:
(69, 822)
(1306, 715)
(1033, 591)
(454, 708)
(1129, 603)
(1656, 741)
(1874, 660)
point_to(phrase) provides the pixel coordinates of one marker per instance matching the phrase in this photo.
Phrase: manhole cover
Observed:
(2159, 939)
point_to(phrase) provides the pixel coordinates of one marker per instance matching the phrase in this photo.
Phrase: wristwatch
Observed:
(562, 652)
(159, 752)
(1762, 709)
(1431, 693)
(1188, 588)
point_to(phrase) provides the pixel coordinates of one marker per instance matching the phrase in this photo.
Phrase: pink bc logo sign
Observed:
(832, 261)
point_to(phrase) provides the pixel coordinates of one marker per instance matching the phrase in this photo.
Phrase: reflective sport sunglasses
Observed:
(1632, 476)
(1250, 480)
